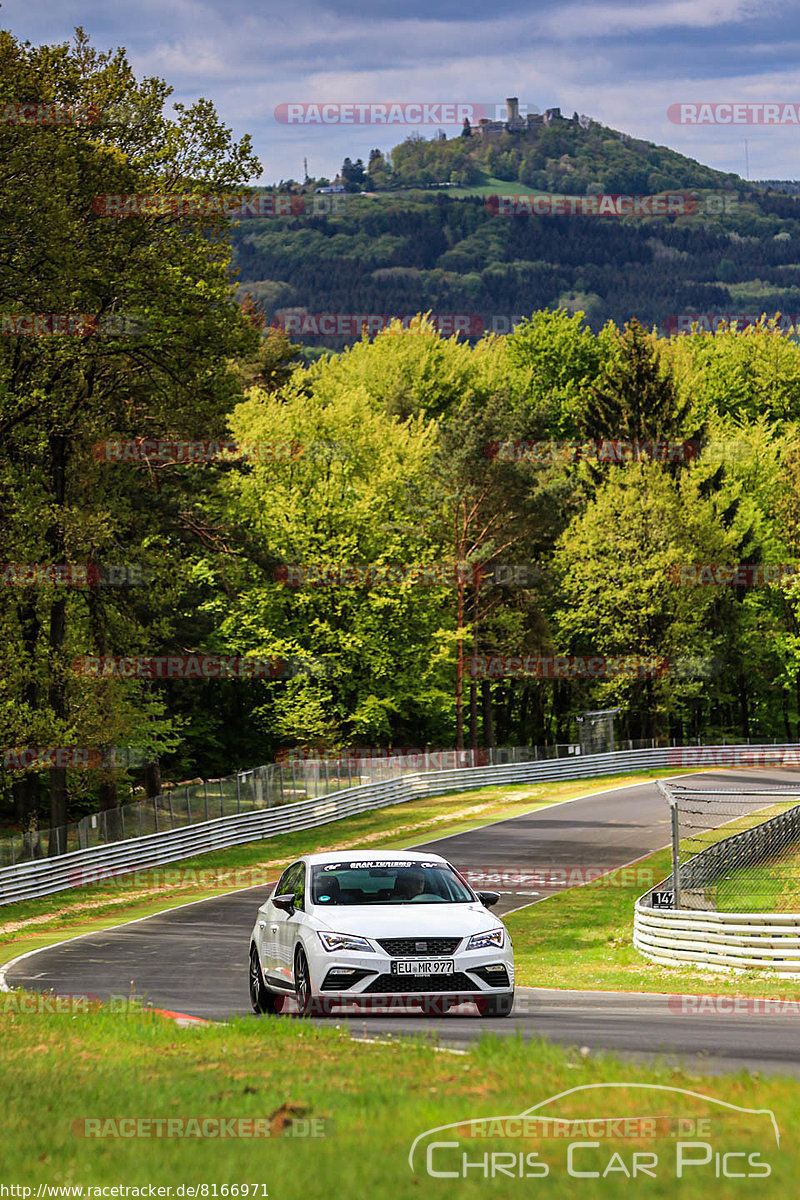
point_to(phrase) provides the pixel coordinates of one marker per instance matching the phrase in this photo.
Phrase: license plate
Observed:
(420, 966)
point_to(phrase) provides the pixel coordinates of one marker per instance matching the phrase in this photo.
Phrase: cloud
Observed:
(623, 63)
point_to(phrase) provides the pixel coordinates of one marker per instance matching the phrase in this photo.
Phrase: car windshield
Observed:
(382, 882)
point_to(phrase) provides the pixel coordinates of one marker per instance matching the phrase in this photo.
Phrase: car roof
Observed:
(382, 856)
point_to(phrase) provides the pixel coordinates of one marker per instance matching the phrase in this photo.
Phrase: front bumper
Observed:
(347, 976)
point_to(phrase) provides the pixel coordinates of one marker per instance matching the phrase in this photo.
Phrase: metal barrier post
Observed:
(676, 855)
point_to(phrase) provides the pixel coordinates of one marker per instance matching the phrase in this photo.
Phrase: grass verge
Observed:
(367, 1103)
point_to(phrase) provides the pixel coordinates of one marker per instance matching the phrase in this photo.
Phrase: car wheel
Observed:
(261, 998)
(496, 1006)
(302, 980)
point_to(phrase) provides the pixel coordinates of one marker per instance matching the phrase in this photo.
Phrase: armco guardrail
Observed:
(719, 941)
(42, 877)
(287, 782)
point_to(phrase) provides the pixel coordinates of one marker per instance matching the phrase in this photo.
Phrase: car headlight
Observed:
(344, 941)
(482, 941)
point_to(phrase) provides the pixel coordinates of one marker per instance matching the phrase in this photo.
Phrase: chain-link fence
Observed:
(300, 777)
(733, 850)
(263, 787)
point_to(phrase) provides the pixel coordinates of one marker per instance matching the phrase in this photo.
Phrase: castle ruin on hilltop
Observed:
(514, 123)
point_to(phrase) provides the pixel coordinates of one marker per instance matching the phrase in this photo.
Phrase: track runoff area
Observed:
(194, 959)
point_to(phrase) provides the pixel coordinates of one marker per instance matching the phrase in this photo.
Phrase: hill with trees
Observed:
(404, 523)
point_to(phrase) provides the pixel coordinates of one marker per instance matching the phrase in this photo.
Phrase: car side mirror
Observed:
(286, 902)
(487, 899)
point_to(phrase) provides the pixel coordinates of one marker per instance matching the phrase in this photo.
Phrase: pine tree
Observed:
(637, 399)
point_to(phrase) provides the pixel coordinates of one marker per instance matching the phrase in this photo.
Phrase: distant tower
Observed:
(305, 170)
(512, 109)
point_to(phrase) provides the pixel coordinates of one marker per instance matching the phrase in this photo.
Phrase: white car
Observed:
(376, 929)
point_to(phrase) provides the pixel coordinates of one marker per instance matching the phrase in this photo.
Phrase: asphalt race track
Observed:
(194, 959)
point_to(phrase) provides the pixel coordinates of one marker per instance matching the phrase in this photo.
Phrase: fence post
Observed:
(155, 810)
(676, 890)
(238, 792)
(221, 799)
(188, 806)
(205, 792)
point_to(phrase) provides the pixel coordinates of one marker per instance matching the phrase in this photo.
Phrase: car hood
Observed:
(407, 920)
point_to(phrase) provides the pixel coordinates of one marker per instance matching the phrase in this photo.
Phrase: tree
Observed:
(562, 359)
(154, 358)
(352, 175)
(637, 398)
(344, 500)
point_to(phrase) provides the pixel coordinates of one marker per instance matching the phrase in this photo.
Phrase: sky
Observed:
(623, 62)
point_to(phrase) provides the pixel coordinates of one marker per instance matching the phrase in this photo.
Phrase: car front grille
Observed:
(418, 947)
(457, 982)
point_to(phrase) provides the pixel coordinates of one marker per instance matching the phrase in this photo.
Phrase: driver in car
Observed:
(410, 883)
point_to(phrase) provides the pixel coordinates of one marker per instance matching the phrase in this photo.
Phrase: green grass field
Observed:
(366, 1103)
(87, 1092)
